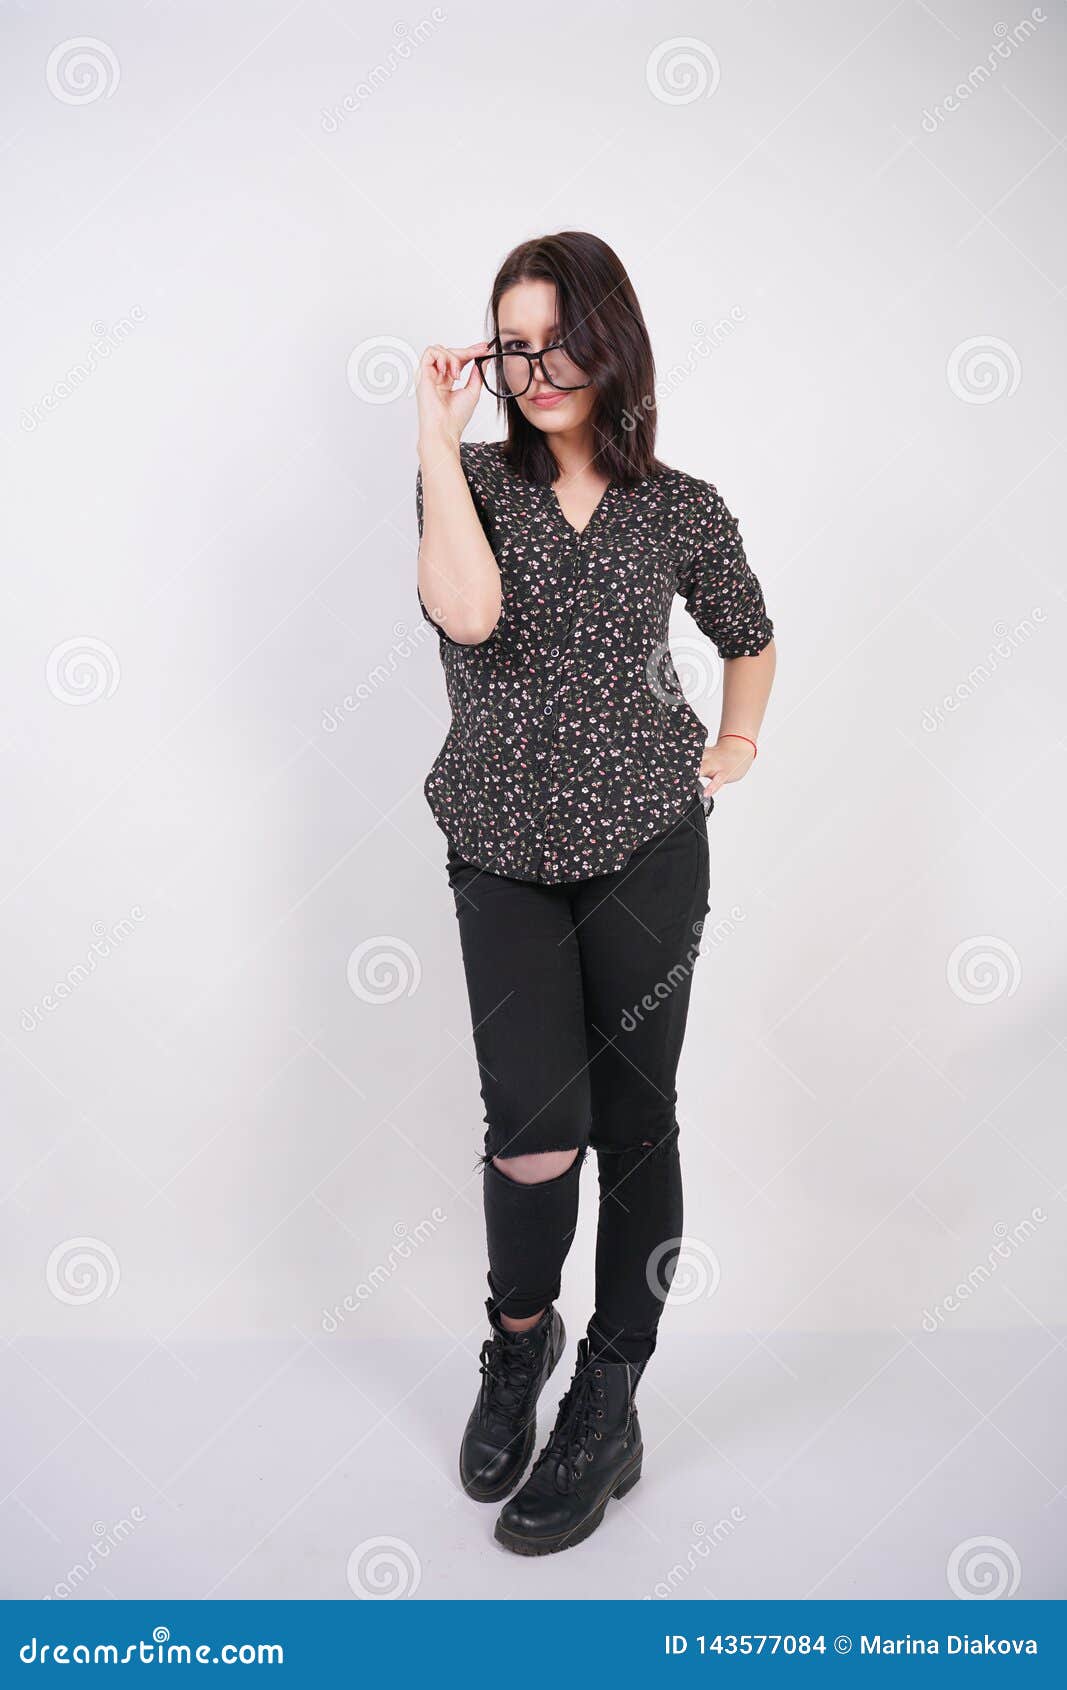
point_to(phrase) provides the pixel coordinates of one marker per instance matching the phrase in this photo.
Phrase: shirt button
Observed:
(548, 709)
(554, 652)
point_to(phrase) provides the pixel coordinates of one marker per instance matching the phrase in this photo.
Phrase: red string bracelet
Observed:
(755, 751)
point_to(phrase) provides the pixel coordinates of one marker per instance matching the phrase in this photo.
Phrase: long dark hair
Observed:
(601, 322)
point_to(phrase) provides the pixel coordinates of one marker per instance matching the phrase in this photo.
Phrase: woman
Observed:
(573, 789)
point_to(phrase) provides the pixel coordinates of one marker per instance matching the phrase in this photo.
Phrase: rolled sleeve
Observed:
(721, 593)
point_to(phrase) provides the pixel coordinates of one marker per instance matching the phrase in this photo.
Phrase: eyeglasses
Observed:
(508, 375)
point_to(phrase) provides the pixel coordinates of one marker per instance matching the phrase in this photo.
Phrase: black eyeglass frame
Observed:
(532, 358)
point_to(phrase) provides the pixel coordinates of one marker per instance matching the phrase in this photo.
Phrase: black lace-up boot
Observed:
(594, 1453)
(502, 1429)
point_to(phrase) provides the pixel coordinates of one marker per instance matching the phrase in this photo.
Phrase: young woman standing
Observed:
(574, 788)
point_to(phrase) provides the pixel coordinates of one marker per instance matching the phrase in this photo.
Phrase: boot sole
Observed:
(566, 1540)
(476, 1492)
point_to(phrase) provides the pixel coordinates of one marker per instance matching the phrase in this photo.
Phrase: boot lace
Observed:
(570, 1445)
(507, 1370)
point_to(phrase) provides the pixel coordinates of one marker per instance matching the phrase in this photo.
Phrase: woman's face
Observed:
(526, 322)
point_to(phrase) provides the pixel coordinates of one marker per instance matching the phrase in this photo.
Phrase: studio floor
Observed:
(865, 1465)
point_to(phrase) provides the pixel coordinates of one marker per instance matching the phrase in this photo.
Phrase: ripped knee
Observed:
(534, 1169)
(644, 1160)
(646, 1141)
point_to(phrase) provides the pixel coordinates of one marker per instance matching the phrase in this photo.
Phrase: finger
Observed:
(465, 356)
(473, 351)
(435, 364)
(460, 357)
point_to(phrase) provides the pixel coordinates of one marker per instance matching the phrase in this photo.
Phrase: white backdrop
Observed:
(231, 230)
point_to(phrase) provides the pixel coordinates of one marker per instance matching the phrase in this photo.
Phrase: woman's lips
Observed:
(547, 401)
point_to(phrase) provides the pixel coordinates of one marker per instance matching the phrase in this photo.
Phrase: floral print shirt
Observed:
(571, 741)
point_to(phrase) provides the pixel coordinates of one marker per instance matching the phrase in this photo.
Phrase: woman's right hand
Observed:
(445, 411)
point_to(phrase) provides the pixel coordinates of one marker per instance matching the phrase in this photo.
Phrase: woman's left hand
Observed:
(725, 761)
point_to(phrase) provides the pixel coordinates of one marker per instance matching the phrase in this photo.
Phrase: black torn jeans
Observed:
(579, 994)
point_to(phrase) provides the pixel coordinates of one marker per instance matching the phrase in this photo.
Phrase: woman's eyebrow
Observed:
(513, 334)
